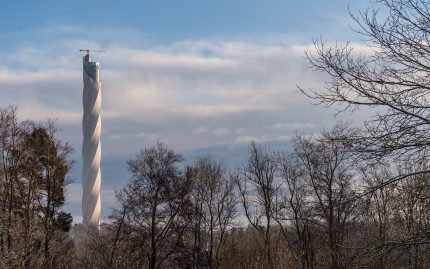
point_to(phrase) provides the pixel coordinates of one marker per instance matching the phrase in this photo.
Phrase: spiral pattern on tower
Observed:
(91, 147)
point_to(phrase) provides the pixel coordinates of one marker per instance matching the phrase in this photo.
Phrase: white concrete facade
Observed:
(91, 147)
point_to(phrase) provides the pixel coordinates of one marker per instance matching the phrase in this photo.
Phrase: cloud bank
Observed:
(197, 96)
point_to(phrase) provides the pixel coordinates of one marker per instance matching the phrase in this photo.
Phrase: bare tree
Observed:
(391, 79)
(297, 213)
(260, 194)
(411, 236)
(394, 221)
(378, 215)
(330, 174)
(156, 200)
(215, 208)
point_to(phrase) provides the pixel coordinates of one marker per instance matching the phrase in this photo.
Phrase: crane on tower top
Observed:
(87, 57)
(88, 51)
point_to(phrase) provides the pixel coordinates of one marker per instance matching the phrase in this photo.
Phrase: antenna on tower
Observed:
(88, 50)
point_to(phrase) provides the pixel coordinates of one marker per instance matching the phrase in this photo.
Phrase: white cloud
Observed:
(201, 86)
(169, 90)
(263, 138)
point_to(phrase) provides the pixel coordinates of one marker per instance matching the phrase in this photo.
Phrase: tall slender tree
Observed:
(260, 191)
(48, 166)
(214, 206)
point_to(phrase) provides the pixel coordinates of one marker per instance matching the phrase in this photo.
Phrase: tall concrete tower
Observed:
(91, 147)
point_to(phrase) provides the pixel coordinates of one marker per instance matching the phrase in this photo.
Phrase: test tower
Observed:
(91, 147)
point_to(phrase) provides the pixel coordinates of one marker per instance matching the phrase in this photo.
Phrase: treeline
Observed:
(318, 206)
(314, 207)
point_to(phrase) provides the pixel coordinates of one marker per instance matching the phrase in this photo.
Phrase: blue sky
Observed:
(189, 18)
(204, 77)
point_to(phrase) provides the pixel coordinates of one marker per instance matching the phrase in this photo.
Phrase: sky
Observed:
(201, 76)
